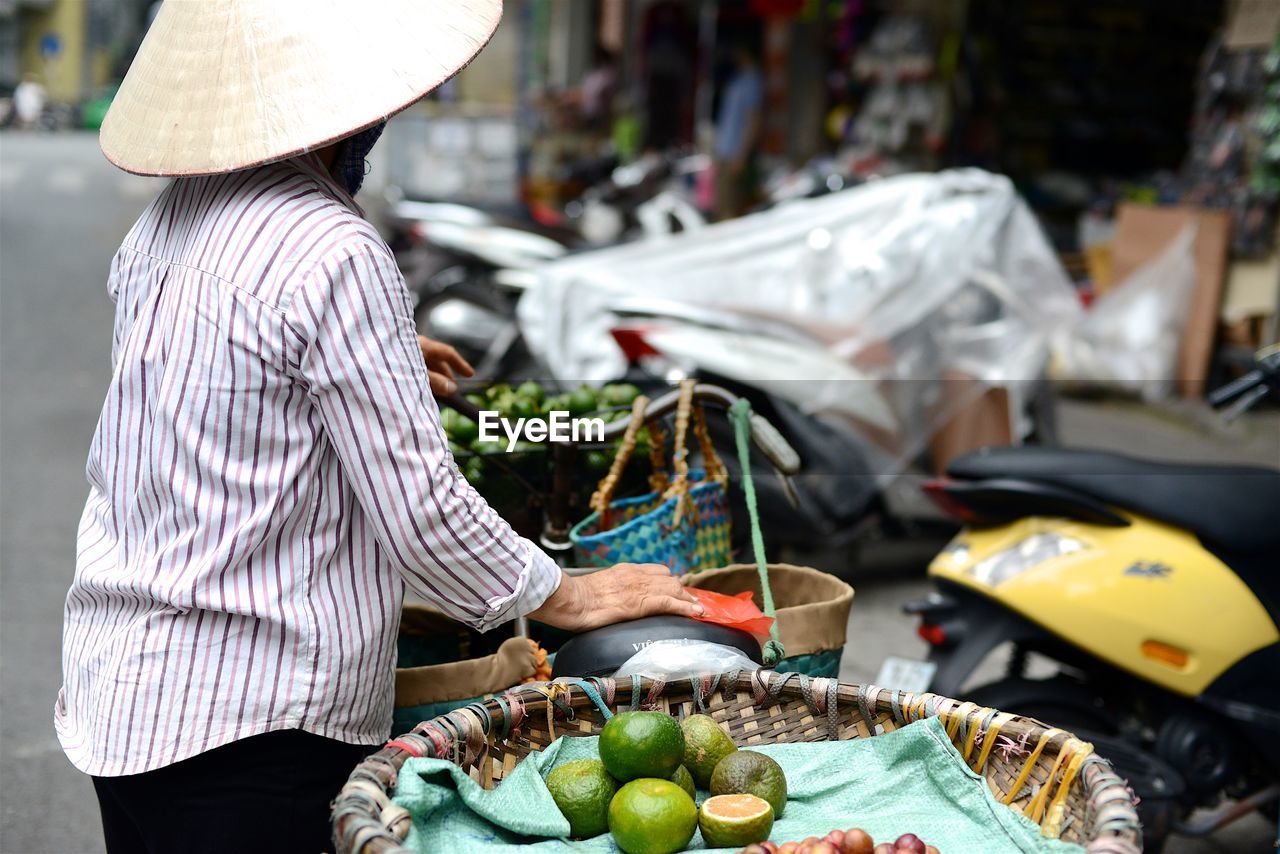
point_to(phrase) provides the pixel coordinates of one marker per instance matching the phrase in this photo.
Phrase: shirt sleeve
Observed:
(359, 359)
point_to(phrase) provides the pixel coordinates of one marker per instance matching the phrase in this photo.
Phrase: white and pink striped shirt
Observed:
(267, 474)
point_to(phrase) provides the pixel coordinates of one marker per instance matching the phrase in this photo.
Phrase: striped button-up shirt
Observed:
(267, 475)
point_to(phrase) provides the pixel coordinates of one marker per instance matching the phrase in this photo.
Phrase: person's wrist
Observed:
(563, 605)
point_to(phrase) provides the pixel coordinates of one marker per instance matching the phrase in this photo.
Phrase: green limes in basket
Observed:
(732, 821)
(464, 431)
(684, 780)
(582, 401)
(650, 816)
(524, 407)
(473, 471)
(641, 744)
(618, 394)
(705, 744)
(745, 772)
(530, 390)
(582, 790)
(596, 462)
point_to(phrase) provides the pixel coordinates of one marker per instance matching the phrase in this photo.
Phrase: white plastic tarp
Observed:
(870, 299)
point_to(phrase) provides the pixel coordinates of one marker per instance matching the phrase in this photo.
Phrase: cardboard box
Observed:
(977, 423)
(1142, 233)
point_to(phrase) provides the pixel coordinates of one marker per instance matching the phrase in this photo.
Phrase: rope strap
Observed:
(990, 737)
(740, 415)
(1053, 823)
(1030, 763)
(594, 696)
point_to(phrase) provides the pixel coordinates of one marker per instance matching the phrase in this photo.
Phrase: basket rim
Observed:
(363, 811)
(843, 590)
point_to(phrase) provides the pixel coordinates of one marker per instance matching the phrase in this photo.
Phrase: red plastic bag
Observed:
(736, 612)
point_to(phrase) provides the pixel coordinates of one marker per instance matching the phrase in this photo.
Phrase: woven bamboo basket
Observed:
(1043, 772)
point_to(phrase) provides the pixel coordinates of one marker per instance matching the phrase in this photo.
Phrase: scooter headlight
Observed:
(1024, 555)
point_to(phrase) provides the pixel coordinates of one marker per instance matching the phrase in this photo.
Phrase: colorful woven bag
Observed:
(683, 523)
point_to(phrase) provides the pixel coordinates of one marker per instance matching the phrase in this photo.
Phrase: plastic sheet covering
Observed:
(882, 309)
(1129, 340)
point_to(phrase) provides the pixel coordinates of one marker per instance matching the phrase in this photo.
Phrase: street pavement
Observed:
(63, 211)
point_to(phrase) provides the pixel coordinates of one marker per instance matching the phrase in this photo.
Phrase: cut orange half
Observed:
(733, 821)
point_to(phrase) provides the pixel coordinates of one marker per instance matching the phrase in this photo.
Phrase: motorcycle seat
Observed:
(1231, 506)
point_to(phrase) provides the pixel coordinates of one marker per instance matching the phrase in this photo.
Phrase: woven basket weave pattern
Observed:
(643, 533)
(489, 739)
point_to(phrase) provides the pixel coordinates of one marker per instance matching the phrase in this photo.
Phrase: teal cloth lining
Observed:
(911, 780)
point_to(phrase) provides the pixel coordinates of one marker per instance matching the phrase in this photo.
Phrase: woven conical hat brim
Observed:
(220, 85)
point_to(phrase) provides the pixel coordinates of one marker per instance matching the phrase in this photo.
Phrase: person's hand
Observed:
(627, 591)
(443, 363)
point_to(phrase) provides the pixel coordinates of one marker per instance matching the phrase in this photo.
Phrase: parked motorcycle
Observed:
(1153, 586)
(841, 489)
(467, 266)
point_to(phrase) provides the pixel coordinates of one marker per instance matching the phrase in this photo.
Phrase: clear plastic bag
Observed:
(684, 659)
(1129, 341)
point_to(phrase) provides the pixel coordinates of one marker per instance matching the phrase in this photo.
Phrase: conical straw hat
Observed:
(220, 85)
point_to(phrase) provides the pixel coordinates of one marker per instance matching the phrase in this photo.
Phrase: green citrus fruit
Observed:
(491, 446)
(464, 430)
(650, 816)
(582, 401)
(530, 390)
(641, 744)
(473, 471)
(523, 407)
(447, 418)
(705, 744)
(505, 404)
(618, 394)
(732, 821)
(684, 780)
(596, 462)
(582, 790)
(745, 772)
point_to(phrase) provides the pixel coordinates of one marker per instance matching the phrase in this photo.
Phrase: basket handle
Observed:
(685, 411)
(658, 481)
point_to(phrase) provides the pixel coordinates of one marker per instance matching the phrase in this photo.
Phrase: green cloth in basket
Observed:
(911, 780)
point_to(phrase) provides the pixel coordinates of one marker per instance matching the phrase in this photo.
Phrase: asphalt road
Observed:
(63, 211)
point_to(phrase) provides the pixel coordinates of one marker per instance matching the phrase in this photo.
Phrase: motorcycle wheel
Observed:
(1070, 705)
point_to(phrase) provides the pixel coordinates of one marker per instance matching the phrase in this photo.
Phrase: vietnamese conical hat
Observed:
(220, 85)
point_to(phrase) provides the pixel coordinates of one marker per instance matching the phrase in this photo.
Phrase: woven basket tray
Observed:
(488, 739)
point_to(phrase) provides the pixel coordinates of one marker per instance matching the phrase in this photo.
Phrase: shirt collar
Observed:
(311, 164)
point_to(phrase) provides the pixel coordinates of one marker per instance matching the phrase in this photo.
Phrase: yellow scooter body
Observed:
(1147, 598)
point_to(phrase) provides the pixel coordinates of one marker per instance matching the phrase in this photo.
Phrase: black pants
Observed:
(270, 793)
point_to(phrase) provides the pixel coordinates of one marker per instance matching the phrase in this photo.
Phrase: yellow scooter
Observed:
(1155, 590)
